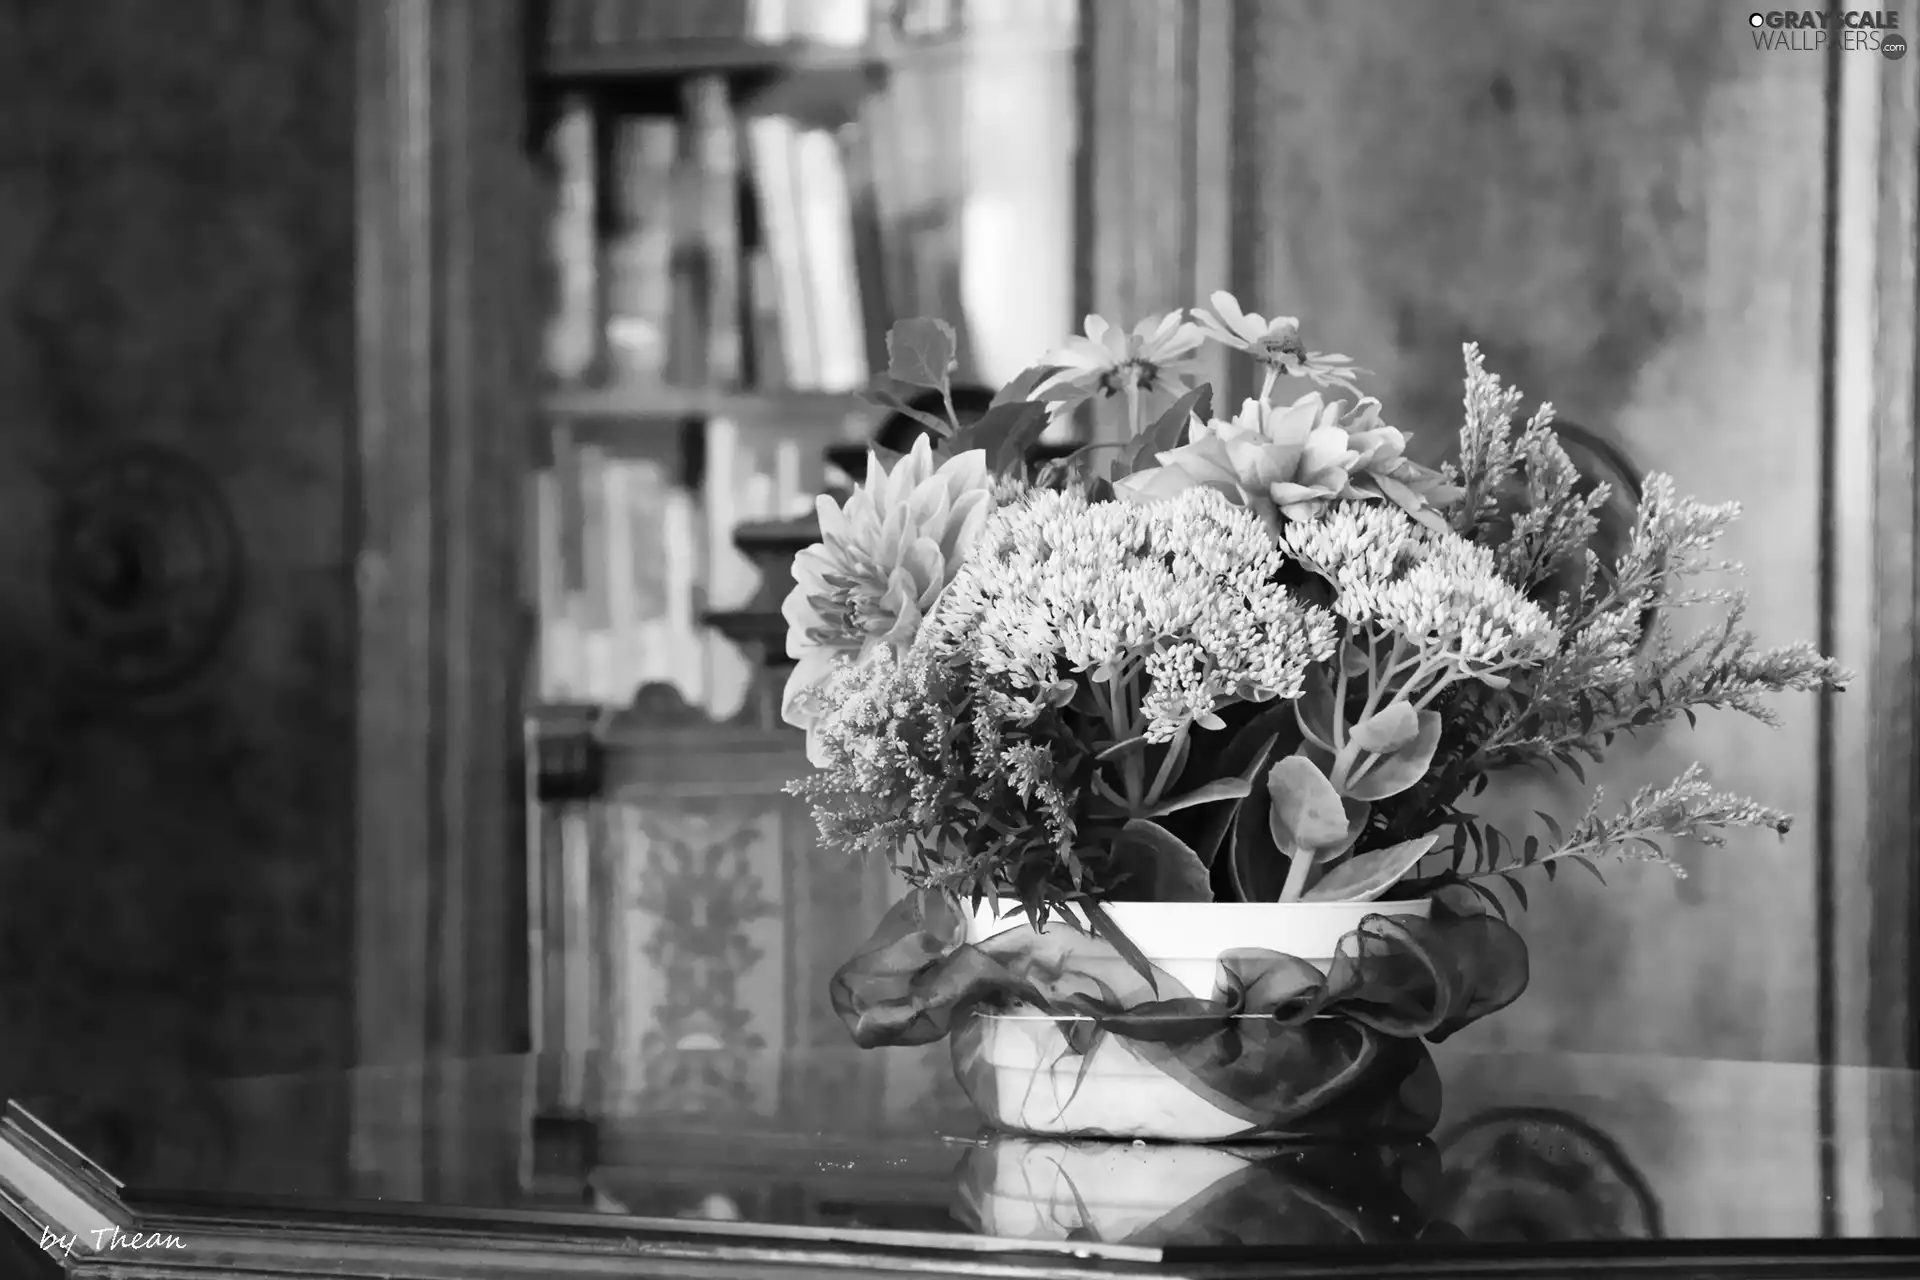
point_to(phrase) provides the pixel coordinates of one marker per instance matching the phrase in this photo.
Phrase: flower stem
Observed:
(1133, 408)
(1133, 765)
(1160, 779)
(1298, 865)
(1266, 387)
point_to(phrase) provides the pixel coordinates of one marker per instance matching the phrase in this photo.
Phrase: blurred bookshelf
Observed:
(743, 195)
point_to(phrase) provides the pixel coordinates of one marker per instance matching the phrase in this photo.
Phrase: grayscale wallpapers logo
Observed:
(1809, 30)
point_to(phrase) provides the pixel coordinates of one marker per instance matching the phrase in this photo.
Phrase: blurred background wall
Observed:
(176, 608)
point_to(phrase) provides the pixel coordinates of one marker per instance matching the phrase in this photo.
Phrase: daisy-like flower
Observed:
(1437, 591)
(1288, 462)
(1274, 342)
(1153, 360)
(881, 562)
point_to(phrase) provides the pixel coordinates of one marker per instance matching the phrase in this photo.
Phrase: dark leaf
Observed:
(1257, 869)
(1124, 747)
(881, 397)
(1207, 793)
(1022, 385)
(921, 352)
(1244, 757)
(1314, 707)
(1103, 927)
(1553, 828)
(1167, 433)
(1005, 433)
(1158, 867)
(1479, 846)
(1492, 899)
(1519, 890)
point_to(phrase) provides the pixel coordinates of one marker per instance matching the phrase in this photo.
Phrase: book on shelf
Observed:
(571, 339)
(739, 250)
(621, 586)
(637, 257)
(576, 25)
(704, 242)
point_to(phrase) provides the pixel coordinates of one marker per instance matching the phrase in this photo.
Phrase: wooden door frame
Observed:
(1871, 955)
(446, 287)
(1891, 676)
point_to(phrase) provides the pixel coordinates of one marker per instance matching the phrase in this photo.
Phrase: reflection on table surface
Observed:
(1530, 1147)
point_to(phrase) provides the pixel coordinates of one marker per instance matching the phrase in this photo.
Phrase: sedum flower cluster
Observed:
(1268, 657)
(1434, 591)
(1185, 593)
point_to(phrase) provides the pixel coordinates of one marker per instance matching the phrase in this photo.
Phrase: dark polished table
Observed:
(845, 1163)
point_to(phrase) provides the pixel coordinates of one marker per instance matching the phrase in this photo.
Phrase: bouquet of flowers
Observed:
(1257, 658)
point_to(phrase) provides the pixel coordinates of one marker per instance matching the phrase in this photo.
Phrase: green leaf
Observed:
(1306, 817)
(1590, 867)
(921, 352)
(1358, 811)
(1005, 433)
(1158, 866)
(1256, 868)
(1519, 890)
(1479, 845)
(1553, 828)
(1388, 729)
(1173, 765)
(1167, 433)
(1491, 898)
(1404, 767)
(1103, 927)
(1365, 876)
(1207, 793)
(1245, 755)
(1314, 707)
(1126, 746)
(884, 397)
(1022, 385)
